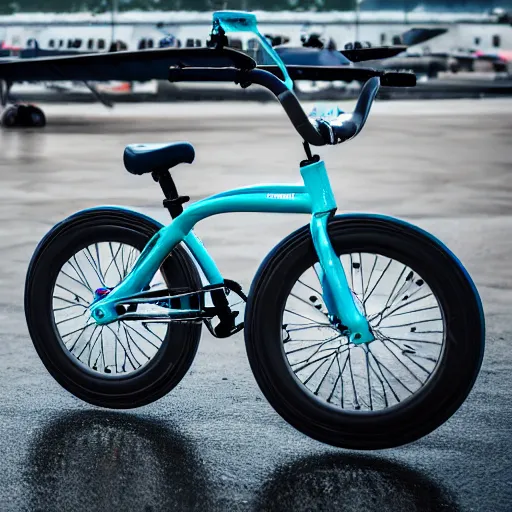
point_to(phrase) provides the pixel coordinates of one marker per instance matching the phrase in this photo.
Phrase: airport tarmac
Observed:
(214, 443)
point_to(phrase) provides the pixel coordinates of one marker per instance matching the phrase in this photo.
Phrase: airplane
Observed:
(135, 37)
(20, 114)
(42, 65)
(423, 33)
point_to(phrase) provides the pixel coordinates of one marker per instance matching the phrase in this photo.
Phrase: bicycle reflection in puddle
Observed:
(104, 461)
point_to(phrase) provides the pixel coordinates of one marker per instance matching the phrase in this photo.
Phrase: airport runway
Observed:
(214, 443)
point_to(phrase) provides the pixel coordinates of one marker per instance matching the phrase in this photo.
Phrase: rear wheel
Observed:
(424, 311)
(123, 364)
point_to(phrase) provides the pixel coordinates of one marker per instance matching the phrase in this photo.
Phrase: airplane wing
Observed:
(388, 78)
(373, 53)
(124, 66)
(145, 65)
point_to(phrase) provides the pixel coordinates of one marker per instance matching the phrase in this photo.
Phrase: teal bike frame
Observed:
(314, 197)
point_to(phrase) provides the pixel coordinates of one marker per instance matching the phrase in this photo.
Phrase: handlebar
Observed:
(315, 131)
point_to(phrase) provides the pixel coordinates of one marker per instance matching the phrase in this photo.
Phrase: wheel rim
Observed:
(406, 319)
(115, 350)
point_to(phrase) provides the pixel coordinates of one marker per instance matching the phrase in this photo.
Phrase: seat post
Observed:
(173, 201)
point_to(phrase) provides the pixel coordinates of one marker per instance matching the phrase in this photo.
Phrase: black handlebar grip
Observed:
(398, 79)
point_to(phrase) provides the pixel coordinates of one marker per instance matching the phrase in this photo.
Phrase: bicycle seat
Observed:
(143, 158)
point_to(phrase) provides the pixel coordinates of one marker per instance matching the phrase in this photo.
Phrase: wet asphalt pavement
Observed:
(214, 443)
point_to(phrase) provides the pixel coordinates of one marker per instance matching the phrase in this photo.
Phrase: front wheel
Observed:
(121, 365)
(426, 316)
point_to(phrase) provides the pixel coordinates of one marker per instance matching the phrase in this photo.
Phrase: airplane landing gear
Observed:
(9, 117)
(23, 116)
(19, 115)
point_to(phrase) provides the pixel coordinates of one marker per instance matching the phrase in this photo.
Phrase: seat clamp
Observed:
(175, 206)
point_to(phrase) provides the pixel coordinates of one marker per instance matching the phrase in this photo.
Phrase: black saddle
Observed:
(144, 158)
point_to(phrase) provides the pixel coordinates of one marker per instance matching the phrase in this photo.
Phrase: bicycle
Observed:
(328, 326)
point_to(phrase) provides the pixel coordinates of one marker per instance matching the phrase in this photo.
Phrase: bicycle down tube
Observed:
(314, 197)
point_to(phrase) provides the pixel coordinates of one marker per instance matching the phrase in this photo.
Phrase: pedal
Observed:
(226, 327)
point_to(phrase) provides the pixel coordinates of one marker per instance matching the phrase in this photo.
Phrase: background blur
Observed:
(8, 7)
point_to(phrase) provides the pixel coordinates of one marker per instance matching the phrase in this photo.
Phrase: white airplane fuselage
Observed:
(133, 31)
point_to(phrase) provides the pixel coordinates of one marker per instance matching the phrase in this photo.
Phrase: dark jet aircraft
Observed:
(303, 63)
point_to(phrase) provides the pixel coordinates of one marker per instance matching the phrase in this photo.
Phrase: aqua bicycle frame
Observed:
(314, 197)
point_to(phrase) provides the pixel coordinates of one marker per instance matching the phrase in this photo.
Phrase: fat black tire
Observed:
(170, 363)
(426, 410)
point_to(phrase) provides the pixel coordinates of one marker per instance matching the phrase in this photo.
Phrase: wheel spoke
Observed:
(80, 273)
(71, 318)
(379, 280)
(118, 338)
(413, 323)
(309, 363)
(366, 356)
(69, 307)
(406, 354)
(83, 329)
(362, 280)
(80, 282)
(129, 338)
(93, 345)
(113, 260)
(370, 278)
(382, 374)
(310, 287)
(390, 313)
(323, 378)
(419, 310)
(89, 257)
(88, 342)
(383, 339)
(76, 295)
(304, 327)
(388, 303)
(302, 316)
(305, 302)
(356, 401)
(144, 337)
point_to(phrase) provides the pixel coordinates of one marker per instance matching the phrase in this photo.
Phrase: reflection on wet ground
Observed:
(94, 460)
(352, 482)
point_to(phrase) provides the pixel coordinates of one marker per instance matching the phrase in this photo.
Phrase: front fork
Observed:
(338, 297)
(344, 311)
